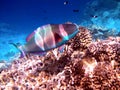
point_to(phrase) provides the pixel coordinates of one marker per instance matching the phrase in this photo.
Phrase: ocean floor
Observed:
(85, 64)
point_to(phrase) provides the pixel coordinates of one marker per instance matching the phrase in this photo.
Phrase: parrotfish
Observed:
(48, 37)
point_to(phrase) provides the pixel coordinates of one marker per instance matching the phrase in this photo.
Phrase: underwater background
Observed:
(18, 18)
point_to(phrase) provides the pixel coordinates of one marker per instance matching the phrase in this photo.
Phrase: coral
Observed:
(100, 13)
(100, 32)
(82, 39)
(105, 50)
(84, 64)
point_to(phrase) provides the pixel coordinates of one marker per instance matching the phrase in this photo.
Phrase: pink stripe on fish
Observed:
(49, 38)
(62, 31)
(39, 40)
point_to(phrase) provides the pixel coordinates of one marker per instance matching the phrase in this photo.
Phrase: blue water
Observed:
(18, 18)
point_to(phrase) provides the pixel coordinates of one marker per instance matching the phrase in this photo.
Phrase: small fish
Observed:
(75, 10)
(47, 37)
(93, 16)
(66, 2)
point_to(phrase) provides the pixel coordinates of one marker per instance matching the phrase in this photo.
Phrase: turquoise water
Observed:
(18, 18)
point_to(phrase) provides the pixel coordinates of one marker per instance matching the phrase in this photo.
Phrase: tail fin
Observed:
(20, 48)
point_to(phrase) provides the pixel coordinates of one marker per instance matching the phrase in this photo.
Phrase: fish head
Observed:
(64, 32)
(68, 31)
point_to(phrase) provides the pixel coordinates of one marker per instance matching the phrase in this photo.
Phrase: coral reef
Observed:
(103, 14)
(84, 64)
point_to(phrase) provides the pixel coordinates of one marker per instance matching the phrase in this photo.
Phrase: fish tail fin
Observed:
(20, 48)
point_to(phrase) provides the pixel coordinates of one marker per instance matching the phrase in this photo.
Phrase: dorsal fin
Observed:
(30, 36)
